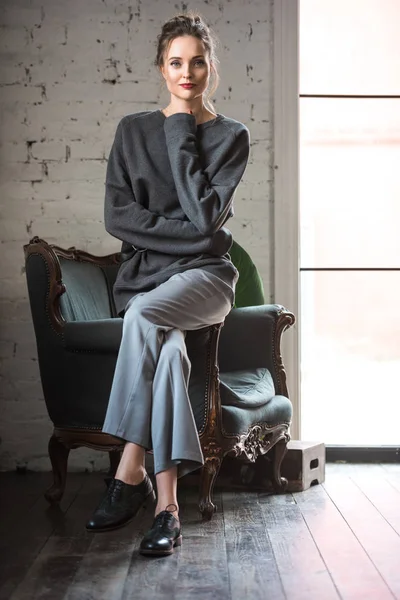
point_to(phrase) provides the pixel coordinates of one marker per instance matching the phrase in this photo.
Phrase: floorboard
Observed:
(22, 544)
(378, 538)
(303, 571)
(20, 492)
(52, 573)
(251, 560)
(392, 475)
(352, 570)
(339, 540)
(202, 568)
(382, 494)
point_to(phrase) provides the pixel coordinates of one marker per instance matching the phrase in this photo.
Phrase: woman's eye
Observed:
(177, 64)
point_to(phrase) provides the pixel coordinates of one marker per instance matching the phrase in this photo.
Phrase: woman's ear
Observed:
(161, 67)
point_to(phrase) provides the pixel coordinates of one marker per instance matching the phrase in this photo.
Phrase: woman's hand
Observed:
(201, 117)
(168, 112)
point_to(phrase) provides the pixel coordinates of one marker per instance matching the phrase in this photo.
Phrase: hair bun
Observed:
(182, 24)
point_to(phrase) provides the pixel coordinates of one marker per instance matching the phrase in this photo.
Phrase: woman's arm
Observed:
(130, 222)
(206, 201)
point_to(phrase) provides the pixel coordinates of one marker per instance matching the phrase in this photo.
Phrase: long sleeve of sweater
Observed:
(205, 195)
(131, 222)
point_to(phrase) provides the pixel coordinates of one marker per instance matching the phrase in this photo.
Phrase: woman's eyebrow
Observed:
(179, 58)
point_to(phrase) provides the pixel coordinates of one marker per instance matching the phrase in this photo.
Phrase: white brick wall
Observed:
(68, 72)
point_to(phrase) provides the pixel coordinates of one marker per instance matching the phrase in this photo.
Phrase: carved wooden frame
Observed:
(215, 442)
(65, 439)
(258, 440)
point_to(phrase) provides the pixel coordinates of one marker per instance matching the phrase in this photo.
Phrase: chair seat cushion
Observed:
(238, 420)
(248, 397)
(246, 388)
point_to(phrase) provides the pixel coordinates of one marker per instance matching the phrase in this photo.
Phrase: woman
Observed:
(171, 177)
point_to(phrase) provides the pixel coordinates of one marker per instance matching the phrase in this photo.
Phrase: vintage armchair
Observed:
(237, 385)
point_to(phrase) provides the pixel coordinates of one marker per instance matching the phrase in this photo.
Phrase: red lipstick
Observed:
(187, 86)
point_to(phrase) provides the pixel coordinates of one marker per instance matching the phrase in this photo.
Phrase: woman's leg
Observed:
(165, 533)
(167, 490)
(149, 403)
(131, 468)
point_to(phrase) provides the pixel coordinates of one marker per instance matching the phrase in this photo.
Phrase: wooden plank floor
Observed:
(336, 540)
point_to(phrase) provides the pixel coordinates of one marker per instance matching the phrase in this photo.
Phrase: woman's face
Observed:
(186, 67)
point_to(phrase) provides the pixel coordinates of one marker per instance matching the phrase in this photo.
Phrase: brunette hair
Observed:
(194, 25)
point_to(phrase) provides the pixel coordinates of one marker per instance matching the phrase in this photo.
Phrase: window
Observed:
(349, 220)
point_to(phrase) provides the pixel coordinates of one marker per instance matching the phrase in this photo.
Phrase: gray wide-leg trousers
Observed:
(149, 403)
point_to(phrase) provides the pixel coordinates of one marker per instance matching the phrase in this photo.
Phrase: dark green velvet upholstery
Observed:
(246, 339)
(77, 364)
(76, 385)
(277, 410)
(102, 339)
(247, 372)
(86, 296)
(248, 396)
(249, 287)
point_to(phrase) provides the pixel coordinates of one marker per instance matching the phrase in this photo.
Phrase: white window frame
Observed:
(286, 189)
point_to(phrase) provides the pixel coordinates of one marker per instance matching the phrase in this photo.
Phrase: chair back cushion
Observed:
(76, 384)
(86, 297)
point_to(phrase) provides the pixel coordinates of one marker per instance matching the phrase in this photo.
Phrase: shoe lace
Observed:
(115, 491)
(165, 517)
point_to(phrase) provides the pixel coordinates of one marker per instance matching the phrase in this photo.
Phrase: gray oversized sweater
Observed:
(169, 191)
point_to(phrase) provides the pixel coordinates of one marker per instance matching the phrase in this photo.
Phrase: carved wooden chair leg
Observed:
(263, 472)
(115, 457)
(208, 476)
(280, 449)
(58, 453)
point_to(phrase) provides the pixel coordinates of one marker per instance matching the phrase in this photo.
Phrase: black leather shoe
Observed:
(120, 504)
(164, 535)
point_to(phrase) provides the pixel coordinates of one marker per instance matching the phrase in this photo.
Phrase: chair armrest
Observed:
(103, 336)
(251, 339)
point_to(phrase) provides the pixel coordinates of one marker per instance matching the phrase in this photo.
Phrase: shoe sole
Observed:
(150, 498)
(178, 542)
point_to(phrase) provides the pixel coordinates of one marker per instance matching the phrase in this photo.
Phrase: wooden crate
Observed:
(303, 465)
